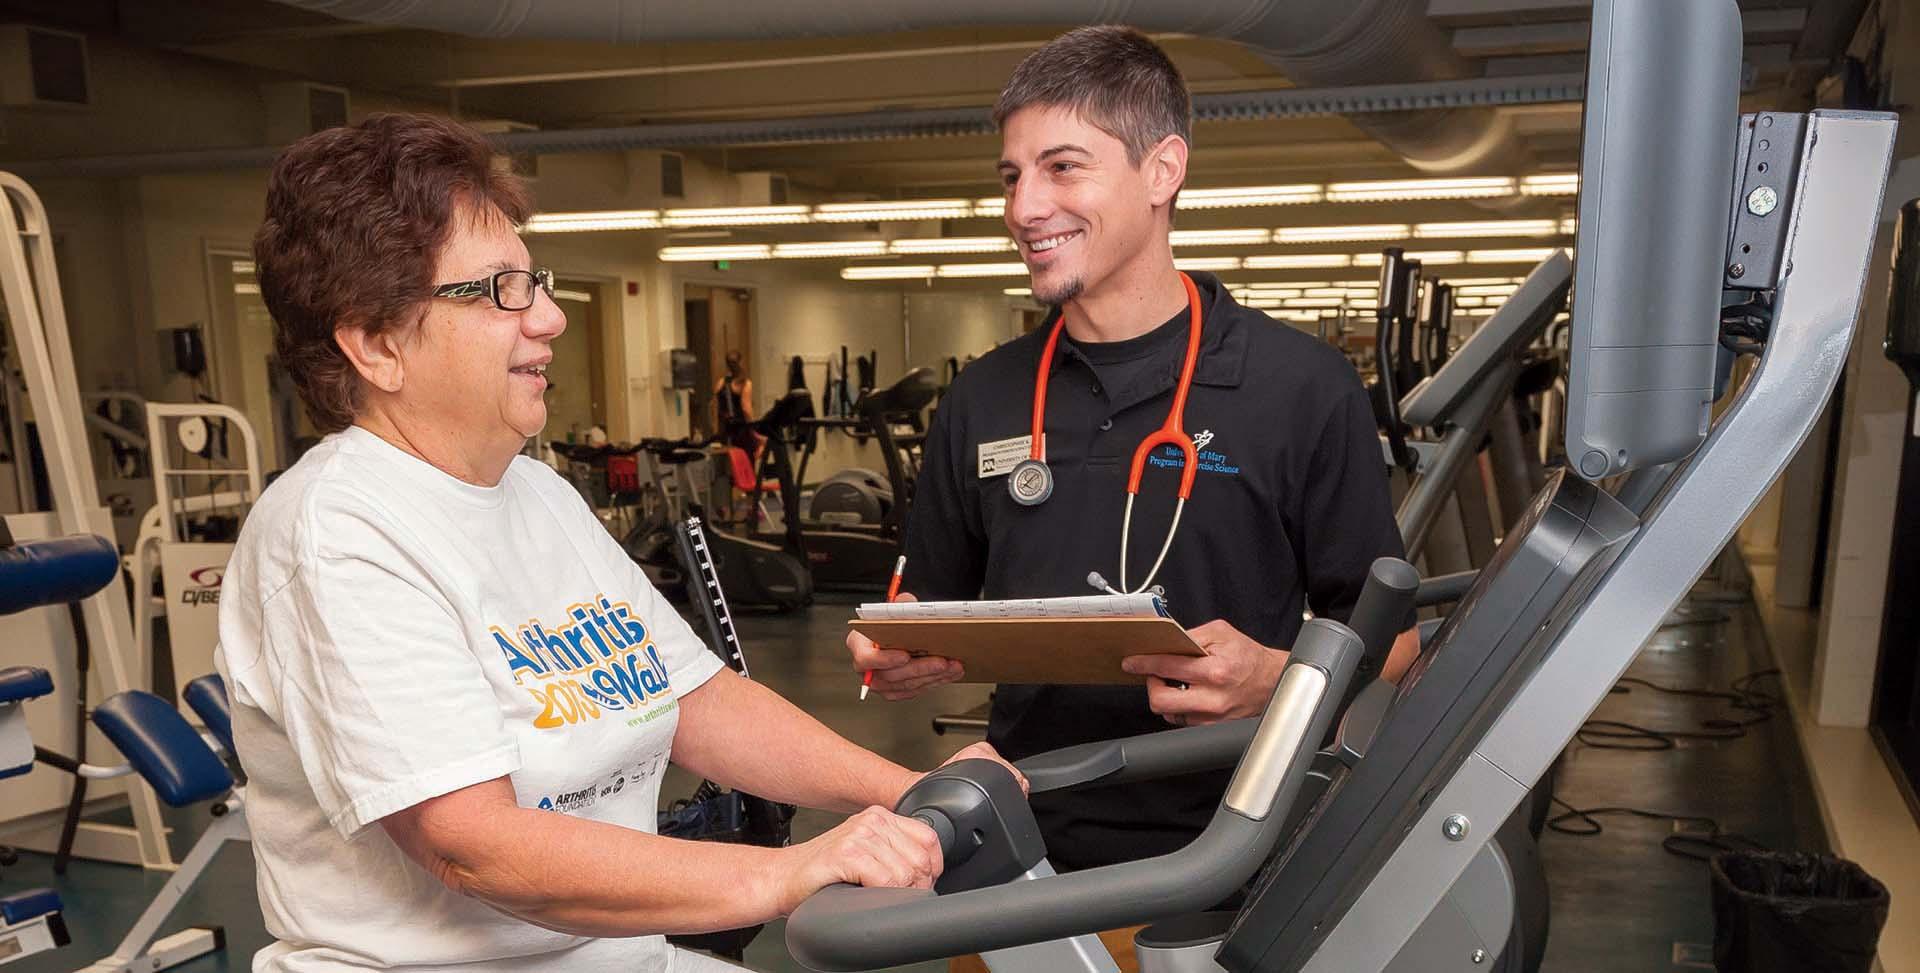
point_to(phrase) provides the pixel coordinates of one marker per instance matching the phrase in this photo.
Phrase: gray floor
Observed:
(1619, 902)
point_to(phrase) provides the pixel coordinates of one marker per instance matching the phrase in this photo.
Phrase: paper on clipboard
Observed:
(1144, 605)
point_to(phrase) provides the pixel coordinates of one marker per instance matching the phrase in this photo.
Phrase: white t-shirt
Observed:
(389, 634)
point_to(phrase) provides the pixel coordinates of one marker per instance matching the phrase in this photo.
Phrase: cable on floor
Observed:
(1742, 697)
(1709, 838)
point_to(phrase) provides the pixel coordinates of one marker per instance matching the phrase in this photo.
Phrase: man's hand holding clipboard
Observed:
(896, 673)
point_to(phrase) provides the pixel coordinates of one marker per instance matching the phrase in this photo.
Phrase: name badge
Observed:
(999, 458)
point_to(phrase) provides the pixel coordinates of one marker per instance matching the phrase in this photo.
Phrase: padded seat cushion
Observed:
(31, 904)
(20, 683)
(162, 747)
(207, 697)
(55, 572)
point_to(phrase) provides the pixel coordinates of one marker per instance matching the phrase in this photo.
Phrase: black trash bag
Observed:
(712, 814)
(1790, 912)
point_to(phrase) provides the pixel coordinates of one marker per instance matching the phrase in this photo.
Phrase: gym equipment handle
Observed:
(846, 928)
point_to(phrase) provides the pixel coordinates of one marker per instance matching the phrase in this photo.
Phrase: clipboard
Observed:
(1061, 651)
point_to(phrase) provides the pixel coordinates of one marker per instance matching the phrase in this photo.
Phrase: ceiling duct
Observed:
(1312, 42)
(1456, 97)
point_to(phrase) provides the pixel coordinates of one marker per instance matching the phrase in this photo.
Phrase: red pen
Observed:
(893, 591)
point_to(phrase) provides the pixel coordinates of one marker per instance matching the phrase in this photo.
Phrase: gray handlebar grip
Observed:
(1381, 614)
(1443, 588)
(1145, 757)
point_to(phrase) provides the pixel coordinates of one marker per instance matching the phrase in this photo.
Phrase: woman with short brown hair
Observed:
(453, 693)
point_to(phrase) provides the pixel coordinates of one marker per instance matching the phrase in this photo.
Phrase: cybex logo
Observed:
(205, 588)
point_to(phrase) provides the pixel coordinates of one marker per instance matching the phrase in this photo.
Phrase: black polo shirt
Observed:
(1289, 508)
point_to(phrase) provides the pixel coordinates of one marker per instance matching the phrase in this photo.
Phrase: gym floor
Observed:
(1619, 901)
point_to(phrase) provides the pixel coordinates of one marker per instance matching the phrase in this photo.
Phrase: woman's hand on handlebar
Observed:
(898, 675)
(875, 848)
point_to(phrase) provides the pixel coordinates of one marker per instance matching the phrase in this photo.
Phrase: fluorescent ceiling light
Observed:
(1314, 302)
(1341, 234)
(243, 266)
(1524, 255)
(1487, 290)
(1219, 238)
(582, 297)
(1272, 284)
(1264, 303)
(1018, 291)
(904, 209)
(1486, 228)
(1368, 304)
(736, 216)
(902, 272)
(1272, 292)
(1288, 261)
(1209, 264)
(965, 244)
(727, 251)
(1428, 257)
(1551, 184)
(830, 248)
(1248, 196)
(255, 289)
(983, 270)
(1468, 301)
(1460, 282)
(1388, 190)
(1397, 190)
(1569, 226)
(632, 219)
(1299, 317)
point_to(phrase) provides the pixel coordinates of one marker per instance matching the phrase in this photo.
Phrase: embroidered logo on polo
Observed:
(597, 660)
(1211, 461)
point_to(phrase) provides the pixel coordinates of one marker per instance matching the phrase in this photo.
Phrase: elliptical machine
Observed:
(843, 556)
(756, 574)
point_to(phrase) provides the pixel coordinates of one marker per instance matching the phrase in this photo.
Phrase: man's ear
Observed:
(375, 355)
(1166, 170)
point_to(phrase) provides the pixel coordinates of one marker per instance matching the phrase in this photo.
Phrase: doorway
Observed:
(576, 380)
(241, 366)
(719, 321)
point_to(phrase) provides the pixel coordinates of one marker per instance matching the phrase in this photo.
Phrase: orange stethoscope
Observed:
(1032, 481)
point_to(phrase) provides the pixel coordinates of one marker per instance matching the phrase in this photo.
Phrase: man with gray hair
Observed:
(1268, 500)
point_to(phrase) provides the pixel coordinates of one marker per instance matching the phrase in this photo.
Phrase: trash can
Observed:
(1790, 912)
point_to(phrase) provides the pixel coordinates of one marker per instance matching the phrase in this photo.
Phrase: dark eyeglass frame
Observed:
(489, 287)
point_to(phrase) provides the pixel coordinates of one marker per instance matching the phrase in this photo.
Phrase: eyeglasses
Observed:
(510, 290)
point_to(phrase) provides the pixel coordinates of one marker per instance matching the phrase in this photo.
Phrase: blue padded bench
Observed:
(31, 904)
(17, 685)
(162, 747)
(30, 923)
(207, 697)
(55, 572)
(21, 683)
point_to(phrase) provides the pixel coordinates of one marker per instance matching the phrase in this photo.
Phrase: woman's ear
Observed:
(375, 355)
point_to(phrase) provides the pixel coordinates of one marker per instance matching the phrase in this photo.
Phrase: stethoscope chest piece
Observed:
(1031, 482)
